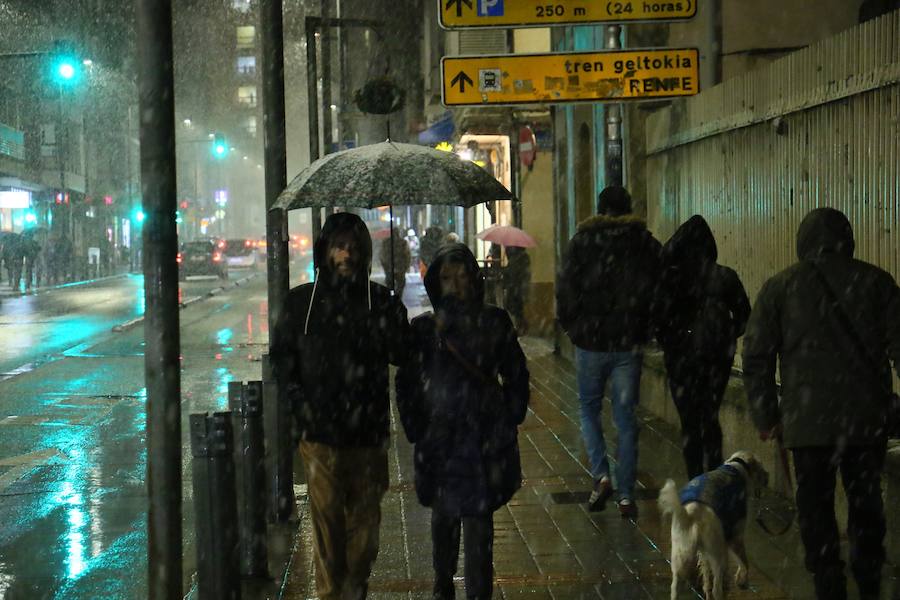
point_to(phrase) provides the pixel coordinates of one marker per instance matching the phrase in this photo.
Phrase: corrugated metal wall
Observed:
(820, 127)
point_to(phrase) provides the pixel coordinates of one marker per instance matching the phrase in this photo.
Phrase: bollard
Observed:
(215, 509)
(245, 401)
(279, 451)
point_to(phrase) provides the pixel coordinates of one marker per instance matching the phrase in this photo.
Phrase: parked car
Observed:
(201, 258)
(241, 254)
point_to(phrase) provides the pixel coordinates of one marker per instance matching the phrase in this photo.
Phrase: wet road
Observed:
(72, 427)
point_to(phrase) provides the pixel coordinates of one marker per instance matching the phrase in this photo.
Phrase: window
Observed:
(241, 5)
(250, 126)
(246, 65)
(247, 96)
(246, 36)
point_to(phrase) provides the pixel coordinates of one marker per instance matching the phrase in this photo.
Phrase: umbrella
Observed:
(391, 173)
(506, 235)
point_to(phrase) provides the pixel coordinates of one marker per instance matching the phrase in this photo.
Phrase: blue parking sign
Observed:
(490, 8)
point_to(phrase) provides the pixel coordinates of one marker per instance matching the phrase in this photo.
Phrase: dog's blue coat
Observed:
(724, 490)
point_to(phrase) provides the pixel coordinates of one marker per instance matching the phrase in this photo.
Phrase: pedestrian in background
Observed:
(330, 351)
(702, 311)
(461, 398)
(516, 285)
(833, 324)
(395, 263)
(604, 298)
(428, 246)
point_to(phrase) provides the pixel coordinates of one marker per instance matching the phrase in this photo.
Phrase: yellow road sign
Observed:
(617, 75)
(454, 14)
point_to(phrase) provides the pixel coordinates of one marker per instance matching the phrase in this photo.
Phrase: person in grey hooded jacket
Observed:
(833, 405)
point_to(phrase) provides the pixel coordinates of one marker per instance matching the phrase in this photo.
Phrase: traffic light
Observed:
(65, 64)
(220, 146)
(138, 215)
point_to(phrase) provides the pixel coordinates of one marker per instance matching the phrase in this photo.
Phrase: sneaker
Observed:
(627, 508)
(600, 494)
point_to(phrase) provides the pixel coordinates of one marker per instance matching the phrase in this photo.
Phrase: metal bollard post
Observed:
(279, 453)
(245, 400)
(215, 509)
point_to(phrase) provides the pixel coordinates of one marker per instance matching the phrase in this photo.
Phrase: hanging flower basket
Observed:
(380, 96)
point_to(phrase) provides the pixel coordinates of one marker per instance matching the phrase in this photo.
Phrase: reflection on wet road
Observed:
(72, 428)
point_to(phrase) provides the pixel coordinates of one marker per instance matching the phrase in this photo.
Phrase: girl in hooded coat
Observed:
(461, 397)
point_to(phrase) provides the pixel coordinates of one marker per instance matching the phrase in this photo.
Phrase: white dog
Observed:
(708, 518)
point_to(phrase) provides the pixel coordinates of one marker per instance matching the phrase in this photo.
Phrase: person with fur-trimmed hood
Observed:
(604, 298)
(330, 352)
(461, 397)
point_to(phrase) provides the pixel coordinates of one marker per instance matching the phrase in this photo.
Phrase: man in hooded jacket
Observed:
(463, 419)
(331, 348)
(832, 411)
(702, 310)
(604, 298)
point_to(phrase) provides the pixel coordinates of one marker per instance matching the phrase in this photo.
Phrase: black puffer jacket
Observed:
(605, 289)
(332, 345)
(462, 422)
(694, 288)
(829, 394)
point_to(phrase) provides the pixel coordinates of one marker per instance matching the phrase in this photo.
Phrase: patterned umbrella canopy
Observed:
(391, 173)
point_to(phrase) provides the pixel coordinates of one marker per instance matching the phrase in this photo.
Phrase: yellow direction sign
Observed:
(617, 75)
(541, 13)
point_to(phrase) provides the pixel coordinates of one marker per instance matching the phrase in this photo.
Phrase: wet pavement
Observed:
(72, 428)
(547, 545)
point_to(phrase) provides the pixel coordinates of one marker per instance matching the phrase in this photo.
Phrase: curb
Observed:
(192, 300)
(44, 289)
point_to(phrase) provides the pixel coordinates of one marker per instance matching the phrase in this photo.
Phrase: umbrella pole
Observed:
(391, 240)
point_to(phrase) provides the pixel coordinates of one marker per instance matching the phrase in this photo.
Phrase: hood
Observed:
(458, 252)
(608, 222)
(339, 223)
(825, 231)
(693, 242)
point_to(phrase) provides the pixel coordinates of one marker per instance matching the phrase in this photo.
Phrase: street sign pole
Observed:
(615, 147)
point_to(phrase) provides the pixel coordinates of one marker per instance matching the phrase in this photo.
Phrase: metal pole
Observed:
(614, 144)
(516, 175)
(312, 88)
(161, 324)
(278, 437)
(272, 29)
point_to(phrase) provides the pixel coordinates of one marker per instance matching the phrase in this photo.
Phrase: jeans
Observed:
(860, 466)
(479, 557)
(623, 370)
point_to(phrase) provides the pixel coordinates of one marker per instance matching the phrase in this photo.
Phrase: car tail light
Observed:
(221, 243)
(248, 243)
(178, 258)
(217, 257)
(261, 243)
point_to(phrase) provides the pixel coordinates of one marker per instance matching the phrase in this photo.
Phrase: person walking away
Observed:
(702, 311)
(330, 350)
(461, 397)
(604, 302)
(428, 246)
(833, 324)
(397, 264)
(516, 285)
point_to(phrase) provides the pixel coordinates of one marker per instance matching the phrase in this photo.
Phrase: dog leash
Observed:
(789, 483)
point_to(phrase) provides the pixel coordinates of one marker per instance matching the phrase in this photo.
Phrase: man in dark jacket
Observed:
(331, 350)
(833, 399)
(604, 297)
(702, 311)
(461, 417)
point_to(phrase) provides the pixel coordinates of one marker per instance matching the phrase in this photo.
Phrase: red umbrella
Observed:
(507, 235)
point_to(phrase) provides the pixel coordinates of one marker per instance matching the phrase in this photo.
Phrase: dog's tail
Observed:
(670, 504)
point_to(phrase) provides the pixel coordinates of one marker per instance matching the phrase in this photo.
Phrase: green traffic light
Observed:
(139, 216)
(66, 67)
(220, 146)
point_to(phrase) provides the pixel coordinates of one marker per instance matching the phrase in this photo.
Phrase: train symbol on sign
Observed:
(490, 8)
